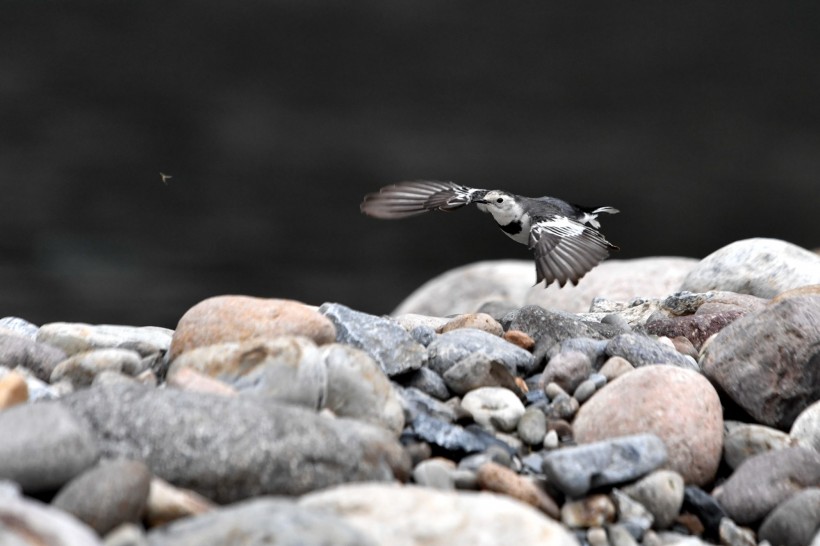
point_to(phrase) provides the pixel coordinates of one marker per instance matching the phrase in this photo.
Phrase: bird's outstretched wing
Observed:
(416, 197)
(565, 250)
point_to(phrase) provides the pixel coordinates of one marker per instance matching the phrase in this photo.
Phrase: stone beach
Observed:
(664, 400)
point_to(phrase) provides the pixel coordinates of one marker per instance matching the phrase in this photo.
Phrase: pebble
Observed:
(731, 534)
(44, 446)
(640, 350)
(763, 481)
(446, 435)
(411, 321)
(289, 450)
(81, 368)
(478, 321)
(619, 535)
(551, 440)
(436, 473)
(500, 479)
(774, 349)
(384, 340)
(78, 337)
(427, 381)
(695, 328)
(661, 492)
(451, 347)
(167, 503)
(520, 339)
(285, 368)
(596, 536)
(13, 390)
(678, 405)
(408, 515)
(743, 440)
(760, 267)
(18, 327)
(576, 470)
(39, 358)
(592, 511)
(703, 506)
(615, 366)
(106, 495)
(532, 427)
(795, 521)
(632, 515)
(568, 370)
(30, 522)
(188, 379)
(547, 328)
(806, 428)
(494, 407)
(423, 335)
(477, 370)
(584, 391)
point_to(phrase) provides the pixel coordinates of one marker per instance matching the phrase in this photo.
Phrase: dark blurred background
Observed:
(699, 120)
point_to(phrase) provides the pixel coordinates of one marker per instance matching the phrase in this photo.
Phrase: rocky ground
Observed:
(682, 405)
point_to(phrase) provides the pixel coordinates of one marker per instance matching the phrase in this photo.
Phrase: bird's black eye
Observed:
(499, 200)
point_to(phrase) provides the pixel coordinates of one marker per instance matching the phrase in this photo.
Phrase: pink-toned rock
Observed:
(479, 321)
(500, 479)
(696, 328)
(680, 406)
(188, 379)
(13, 390)
(244, 318)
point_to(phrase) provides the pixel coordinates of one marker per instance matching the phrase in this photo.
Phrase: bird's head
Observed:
(501, 205)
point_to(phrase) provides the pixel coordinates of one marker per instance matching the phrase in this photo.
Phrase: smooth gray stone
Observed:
(230, 448)
(641, 350)
(42, 446)
(576, 470)
(660, 492)
(76, 337)
(81, 368)
(594, 349)
(547, 327)
(383, 339)
(264, 520)
(806, 428)
(532, 427)
(436, 473)
(40, 358)
(26, 522)
(476, 371)
(107, 495)
(455, 345)
(20, 326)
(428, 382)
(795, 521)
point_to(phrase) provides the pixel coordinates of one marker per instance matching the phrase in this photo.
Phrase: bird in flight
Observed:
(565, 248)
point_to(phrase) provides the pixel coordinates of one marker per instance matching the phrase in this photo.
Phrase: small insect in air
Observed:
(165, 178)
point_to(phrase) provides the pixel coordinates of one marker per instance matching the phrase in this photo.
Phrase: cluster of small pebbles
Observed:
(687, 416)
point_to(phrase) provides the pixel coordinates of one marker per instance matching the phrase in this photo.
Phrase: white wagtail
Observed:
(565, 249)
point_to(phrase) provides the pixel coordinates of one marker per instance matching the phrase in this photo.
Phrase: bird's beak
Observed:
(481, 201)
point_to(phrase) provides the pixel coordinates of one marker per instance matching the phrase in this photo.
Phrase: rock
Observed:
(13, 390)
(37, 357)
(436, 473)
(230, 448)
(567, 369)
(745, 440)
(696, 328)
(532, 427)
(43, 446)
(78, 337)
(466, 288)
(678, 405)
(187, 379)
(765, 480)
(732, 534)
(167, 503)
(29, 522)
(423, 335)
(806, 428)
(416, 402)
(547, 328)
(286, 368)
(427, 381)
(615, 366)
(476, 371)
(500, 479)
(618, 535)
(494, 407)
(709, 513)
(18, 327)
(408, 515)
(591, 511)
(584, 391)
(477, 321)
(520, 339)
(721, 302)
(641, 350)
(661, 492)
(263, 520)
(795, 521)
(449, 436)
(632, 515)
(384, 340)
(760, 267)
(359, 389)
(620, 280)
(451, 347)
(81, 368)
(127, 534)
(576, 470)
(107, 495)
(593, 349)
(237, 319)
(411, 321)
(768, 362)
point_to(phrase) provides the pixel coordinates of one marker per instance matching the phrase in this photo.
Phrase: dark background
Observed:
(699, 120)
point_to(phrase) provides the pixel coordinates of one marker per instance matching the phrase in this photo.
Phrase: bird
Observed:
(563, 237)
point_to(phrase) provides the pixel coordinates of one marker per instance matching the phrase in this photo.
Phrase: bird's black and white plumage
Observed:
(565, 248)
